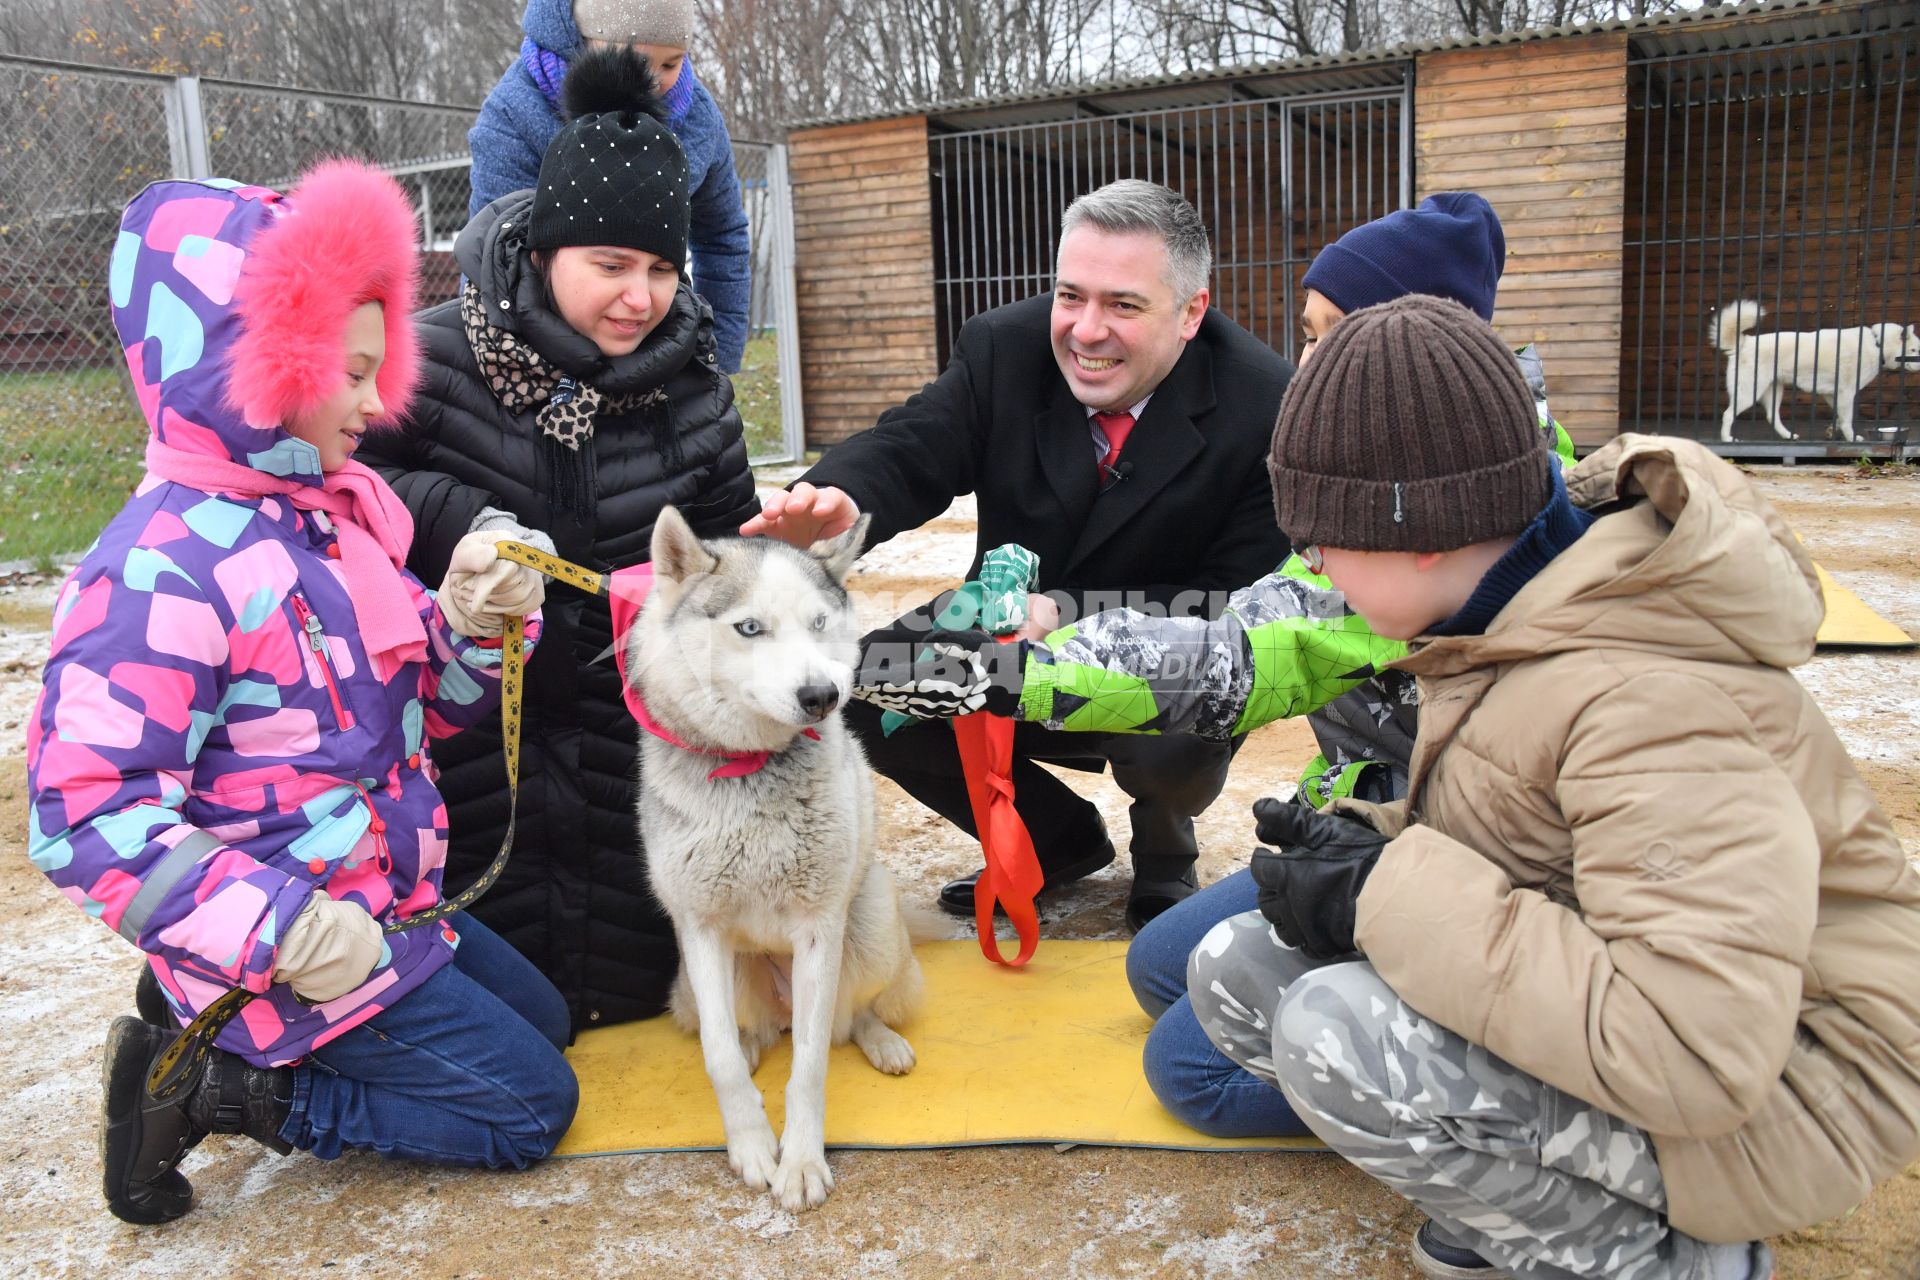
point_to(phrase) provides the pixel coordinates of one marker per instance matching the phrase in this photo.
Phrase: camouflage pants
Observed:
(1523, 1174)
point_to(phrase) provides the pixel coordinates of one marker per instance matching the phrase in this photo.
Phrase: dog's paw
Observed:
(885, 1048)
(802, 1181)
(755, 1156)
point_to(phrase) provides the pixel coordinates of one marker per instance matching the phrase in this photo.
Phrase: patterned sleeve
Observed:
(136, 680)
(1284, 646)
(460, 680)
(1562, 444)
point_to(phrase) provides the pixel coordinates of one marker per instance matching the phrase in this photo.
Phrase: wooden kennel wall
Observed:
(1540, 130)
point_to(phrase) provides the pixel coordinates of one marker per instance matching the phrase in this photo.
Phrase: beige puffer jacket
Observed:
(1643, 868)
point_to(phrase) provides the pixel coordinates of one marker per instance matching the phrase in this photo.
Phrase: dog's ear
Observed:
(677, 553)
(836, 555)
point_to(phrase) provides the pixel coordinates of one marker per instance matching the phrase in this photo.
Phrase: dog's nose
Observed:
(818, 699)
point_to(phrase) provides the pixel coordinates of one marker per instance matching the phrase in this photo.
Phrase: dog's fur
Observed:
(773, 873)
(1837, 364)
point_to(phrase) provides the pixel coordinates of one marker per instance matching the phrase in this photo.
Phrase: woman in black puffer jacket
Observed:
(571, 393)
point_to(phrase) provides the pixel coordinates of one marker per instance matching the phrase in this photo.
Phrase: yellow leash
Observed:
(179, 1066)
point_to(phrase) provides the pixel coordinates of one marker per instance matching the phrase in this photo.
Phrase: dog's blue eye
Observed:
(749, 628)
(820, 622)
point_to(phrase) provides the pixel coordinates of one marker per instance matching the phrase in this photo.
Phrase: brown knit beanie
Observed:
(1411, 429)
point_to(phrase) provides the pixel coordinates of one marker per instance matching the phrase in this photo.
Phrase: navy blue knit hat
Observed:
(1449, 247)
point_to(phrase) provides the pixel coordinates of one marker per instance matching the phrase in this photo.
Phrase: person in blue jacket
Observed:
(521, 115)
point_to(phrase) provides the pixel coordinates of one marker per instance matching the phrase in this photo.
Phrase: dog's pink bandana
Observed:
(626, 591)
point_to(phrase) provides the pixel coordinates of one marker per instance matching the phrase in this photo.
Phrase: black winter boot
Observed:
(1437, 1254)
(151, 1002)
(142, 1141)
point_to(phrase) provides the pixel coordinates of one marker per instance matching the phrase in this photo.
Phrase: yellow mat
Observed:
(1049, 1054)
(1852, 624)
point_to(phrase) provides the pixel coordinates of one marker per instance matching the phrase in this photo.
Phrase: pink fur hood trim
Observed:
(342, 237)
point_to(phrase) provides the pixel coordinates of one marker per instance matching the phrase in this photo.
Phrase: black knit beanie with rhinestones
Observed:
(1411, 429)
(614, 174)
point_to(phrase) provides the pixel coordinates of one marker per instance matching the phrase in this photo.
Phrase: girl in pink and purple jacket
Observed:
(230, 762)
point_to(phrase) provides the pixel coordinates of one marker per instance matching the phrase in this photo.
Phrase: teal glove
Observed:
(993, 604)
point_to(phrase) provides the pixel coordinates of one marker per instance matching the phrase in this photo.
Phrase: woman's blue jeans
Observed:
(1202, 1087)
(465, 1069)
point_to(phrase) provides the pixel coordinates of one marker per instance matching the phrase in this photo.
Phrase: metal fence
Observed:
(1274, 179)
(78, 142)
(1786, 177)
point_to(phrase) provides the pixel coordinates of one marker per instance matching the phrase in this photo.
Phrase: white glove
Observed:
(481, 590)
(328, 950)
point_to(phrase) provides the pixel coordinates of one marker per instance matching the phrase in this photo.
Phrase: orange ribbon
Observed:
(1012, 876)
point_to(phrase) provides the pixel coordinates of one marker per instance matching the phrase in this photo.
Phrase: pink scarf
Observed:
(371, 521)
(626, 591)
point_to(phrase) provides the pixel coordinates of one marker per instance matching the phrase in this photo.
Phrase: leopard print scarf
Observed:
(520, 379)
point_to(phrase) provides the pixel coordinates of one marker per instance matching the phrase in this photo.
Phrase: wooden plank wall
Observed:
(863, 270)
(1540, 130)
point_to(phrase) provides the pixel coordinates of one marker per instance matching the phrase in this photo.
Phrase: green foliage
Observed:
(71, 450)
(756, 393)
(1866, 468)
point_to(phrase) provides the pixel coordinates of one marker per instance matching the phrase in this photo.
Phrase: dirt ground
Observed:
(1084, 1211)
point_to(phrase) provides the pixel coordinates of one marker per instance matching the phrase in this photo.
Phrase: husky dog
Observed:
(744, 649)
(1835, 363)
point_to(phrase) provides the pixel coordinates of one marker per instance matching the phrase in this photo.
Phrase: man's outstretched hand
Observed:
(803, 515)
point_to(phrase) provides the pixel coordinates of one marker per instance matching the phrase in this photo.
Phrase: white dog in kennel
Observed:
(1837, 364)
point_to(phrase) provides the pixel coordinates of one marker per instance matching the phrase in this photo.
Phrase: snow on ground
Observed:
(1082, 1212)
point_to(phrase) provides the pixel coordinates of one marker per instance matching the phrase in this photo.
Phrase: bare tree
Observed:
(208, 37)
(446, 50)
(768, 62)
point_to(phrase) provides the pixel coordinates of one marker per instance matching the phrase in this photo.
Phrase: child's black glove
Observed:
(940, 674)
(1310, 884)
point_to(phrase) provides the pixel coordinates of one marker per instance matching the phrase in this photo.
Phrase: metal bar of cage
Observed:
(1646, 160)
(1826, 210)
(1701, 379)
(1686, 172)
(1266, 221)
(793, 420)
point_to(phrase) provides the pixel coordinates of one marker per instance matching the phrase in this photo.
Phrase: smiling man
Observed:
(1117, 428)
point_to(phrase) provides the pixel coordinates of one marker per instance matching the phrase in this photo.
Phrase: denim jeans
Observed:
(465, 1069)
(1202, 1087)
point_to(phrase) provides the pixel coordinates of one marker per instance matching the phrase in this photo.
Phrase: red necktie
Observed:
(1115, 426)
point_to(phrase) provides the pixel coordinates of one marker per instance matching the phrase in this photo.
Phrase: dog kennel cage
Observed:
(1275, 172)
(1788, 176)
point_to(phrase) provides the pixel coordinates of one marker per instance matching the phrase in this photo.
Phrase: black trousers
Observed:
(1170, 779)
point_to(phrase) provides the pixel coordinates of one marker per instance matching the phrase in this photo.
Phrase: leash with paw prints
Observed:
(181, 1064)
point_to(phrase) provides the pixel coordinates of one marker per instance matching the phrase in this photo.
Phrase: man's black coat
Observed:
(1193, 514)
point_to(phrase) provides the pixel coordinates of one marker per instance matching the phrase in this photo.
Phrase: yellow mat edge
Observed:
(1217, 1145)
(1876, 632)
